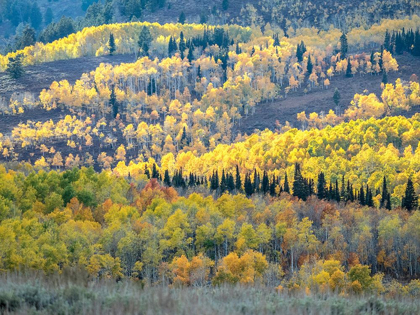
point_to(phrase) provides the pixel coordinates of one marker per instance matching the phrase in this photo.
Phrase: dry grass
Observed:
(72, 293)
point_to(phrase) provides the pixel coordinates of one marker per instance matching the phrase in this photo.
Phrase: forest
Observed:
(139, 183)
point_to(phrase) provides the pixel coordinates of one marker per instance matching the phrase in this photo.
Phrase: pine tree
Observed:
(384, 77)
(384, 193)
(223, 183)
(111, 44)
(144, 42)
(299, 186)
(155, 173)
(190, 55)
(273, 187)
(146, 171)
(336, 97)
(321, 193)
(286, 185)
(167, 179)
(238, 182)
(344, 46)
(113, 102)
(249, 187)
(230, 183)
(182, 45)
(310, 66)
(15, 68)
(265, 183)
(349, 74)
(181, 18)
(337, 192)
(410, 199)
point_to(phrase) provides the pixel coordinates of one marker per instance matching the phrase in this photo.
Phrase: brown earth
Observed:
(317, 100)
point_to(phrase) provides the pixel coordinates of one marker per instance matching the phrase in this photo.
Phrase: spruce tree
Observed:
(181, 18)
(230, 183)
(265, 183)
(273, 187)
(299, 185)
(223, 183)
(336, 97)
(384, 193)
(155, 173)
(248, 186)
(225, 4)
(238, 182)
(410, 199)
(14, 67)
(190, 55)
(182, 45)
(310, 65)
(144, 42)
(113, 102)
(286, 184)
(111, 44)
(167, 179)
(321, 193)
(344, 46)
(349, 73)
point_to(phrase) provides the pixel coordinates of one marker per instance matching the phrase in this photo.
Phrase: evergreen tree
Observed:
(182, 45)
(276, 40)
(223, 183)
(113, 102)
(181, 18)
(15, 68)
(28, 38)
(238, 183)
(249, 187)
(238, 49)
(349, 74)
(299, 186)
(310, 66)
(300, 50)
(273, 187)
(230, 183)
(146, 171)
(144, 42)
(265, 183)
(286, 184)
(336, 97)
(416, 45)
(155, 173)
(410, 199)
(321, 193)
(369, 197)
(384, 77)
(362, 199)
(111, 44)
(384, 193)
(190, 55)
(337, 192)
(167, 179)
(387, 41)
(344, 46)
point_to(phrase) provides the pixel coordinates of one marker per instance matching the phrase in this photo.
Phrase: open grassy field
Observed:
(72, 293)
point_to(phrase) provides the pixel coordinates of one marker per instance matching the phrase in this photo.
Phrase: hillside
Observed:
(267, 164)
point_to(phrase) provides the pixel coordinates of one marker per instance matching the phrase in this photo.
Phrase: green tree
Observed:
(15, 67)
(111, 44)
(336, 97)
(181, 18)
(145, 40)
(410, 200)
(344, 46)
